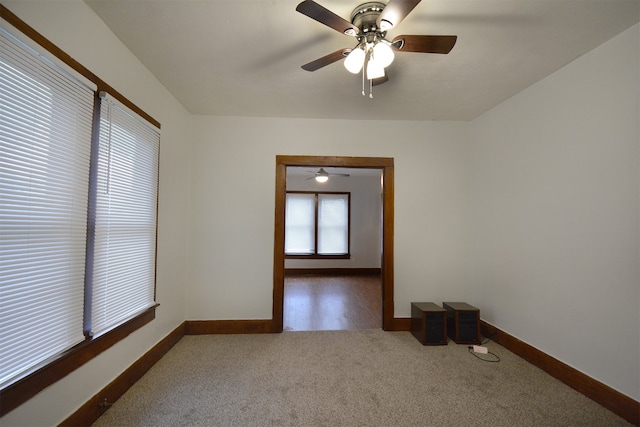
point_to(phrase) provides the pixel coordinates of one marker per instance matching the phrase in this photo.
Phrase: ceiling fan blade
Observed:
(394, 12)
(424, 44)
(380, 80)
(323, 15)
(339, 174)
(326, 60)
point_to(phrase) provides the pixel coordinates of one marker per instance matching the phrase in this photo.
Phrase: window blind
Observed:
(123, 280)
(45, 130)
(333, 224)
(300, 224)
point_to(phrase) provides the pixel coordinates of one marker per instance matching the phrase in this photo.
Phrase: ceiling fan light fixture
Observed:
(375, 70)
(383, 53)
(322, 175)
(355, 60)
(369, 24)
(385, 25)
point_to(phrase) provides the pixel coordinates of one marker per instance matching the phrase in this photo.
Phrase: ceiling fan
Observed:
(369, 25)
(322, 175)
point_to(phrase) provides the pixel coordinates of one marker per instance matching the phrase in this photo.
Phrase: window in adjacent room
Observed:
(317, 225)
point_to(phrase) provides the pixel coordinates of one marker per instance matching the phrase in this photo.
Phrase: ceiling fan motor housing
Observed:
(364, 17)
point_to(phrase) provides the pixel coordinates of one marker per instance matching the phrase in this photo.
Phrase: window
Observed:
(78, 192)
(45, 134)
(317, 224)
(124, 242)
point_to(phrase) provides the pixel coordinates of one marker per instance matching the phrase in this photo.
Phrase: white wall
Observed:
(365, 222)
(530, 212)
(233, 202)
(556, 214)
(72, 26)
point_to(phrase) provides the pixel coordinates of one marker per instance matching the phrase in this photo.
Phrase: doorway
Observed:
(386, 167)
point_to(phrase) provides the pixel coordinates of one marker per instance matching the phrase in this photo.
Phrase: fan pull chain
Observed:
(363, 81)
(370, 89)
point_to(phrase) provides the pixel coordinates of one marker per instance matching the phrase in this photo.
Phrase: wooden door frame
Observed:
(385, 164)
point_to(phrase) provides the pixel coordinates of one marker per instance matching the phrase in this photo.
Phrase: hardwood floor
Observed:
(321, 303)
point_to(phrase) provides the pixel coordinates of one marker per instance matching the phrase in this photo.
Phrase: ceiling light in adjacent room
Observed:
(322, 176)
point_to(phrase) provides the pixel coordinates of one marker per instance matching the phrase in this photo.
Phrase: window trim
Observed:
(316, 255)
(38, 38)
(20, 391)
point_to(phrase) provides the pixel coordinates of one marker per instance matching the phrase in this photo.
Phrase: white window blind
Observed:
(333, 224)
(300, 224)
(316, 224)
(123, 281)
(45, 133)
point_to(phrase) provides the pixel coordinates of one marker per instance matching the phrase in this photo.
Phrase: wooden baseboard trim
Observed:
(203, 327)
(616, 402)
(611, 399)
(332, 271)
(98, 404)
(402, 324)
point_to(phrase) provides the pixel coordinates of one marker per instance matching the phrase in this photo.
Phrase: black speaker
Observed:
(434, 328)
(429, 323)
(463, 322)
(467, 326)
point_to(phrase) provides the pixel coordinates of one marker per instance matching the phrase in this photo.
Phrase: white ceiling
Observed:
(243, 57)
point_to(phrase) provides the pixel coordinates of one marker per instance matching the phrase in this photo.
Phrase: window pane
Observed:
(300, 224)
(333, 223)
(125, 217)
(45, 134)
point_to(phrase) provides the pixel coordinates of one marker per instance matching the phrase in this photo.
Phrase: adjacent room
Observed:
(333, 249)
(479, 151)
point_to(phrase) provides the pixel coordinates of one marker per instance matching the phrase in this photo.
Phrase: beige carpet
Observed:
(346, 378)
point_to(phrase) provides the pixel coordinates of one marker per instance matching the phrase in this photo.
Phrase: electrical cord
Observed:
(496, 360)
(496, 357)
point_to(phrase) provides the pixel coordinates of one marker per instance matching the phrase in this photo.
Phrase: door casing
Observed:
(385, 164)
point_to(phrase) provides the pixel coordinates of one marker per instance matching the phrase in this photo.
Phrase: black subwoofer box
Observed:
(463, 322)
(429, 323)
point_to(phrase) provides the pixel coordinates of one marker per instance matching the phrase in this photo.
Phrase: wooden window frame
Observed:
(316, 255)
(18, 392)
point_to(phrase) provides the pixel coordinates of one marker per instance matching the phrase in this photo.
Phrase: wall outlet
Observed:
(480, 349)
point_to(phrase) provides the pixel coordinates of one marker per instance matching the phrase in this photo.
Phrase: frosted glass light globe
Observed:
(354, 61)
(383, 54)
(374, 69)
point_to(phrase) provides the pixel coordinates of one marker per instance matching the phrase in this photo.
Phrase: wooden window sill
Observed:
(25, 388)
